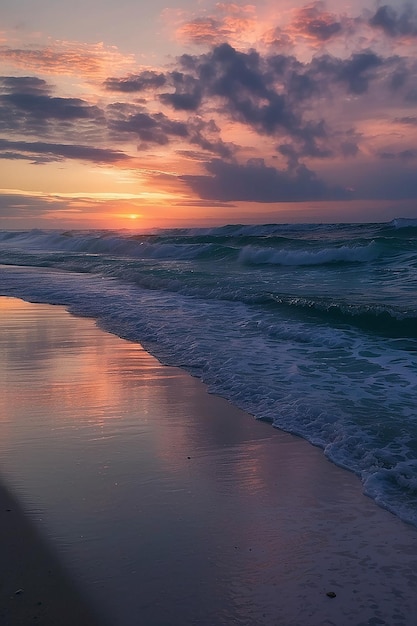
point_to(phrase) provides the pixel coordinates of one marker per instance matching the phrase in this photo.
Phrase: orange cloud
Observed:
(95, 61)
(314, 22)
(229, 22)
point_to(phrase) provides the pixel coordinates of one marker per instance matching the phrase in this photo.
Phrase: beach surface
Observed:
(128, 484)
(34, 586)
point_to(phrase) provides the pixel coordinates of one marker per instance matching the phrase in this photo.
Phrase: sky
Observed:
(135, 114)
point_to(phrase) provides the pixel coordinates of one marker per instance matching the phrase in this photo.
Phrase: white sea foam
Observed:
(403, 222)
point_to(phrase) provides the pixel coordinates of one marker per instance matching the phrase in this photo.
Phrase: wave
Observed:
(248, 249)
(403, 222)
(344, 254)
(217, 232)
(381, 319)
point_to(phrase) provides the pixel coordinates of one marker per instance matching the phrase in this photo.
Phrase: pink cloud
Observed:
(228, 22)
(67, 58)
(314, 22)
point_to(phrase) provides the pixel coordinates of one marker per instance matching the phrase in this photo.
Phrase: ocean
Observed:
(312, 327)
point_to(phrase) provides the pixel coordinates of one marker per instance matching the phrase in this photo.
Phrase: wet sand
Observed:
(168, 506)
(34, 587)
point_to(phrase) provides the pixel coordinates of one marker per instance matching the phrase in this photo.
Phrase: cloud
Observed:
(31, 95)
(255, 25)
(271, 95)
(394, 23)
(228, 22)
(68, 58)
(278, 96)
(42, 107)
(206, 136)
(257, 182)
(405, 155)
(27, 205)
(315, 22)
(24, 84)
(408, 120)
(204, 204)
(203, 31)
(391, 179)
(243, 85)
(187, 95)
(278, 38)
(269, 91)
(159, 129)
(150, 128)
(27, 106)
(46, 152)
(355, 73)
(148, 79)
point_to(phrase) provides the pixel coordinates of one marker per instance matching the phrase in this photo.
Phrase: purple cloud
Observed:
(257, 182)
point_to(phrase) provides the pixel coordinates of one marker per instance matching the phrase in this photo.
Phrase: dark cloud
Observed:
(44, 152)
(31, 96)
(26, 106)
(274, 95)
(187, 95)
(136, 82)
(349, 148)
(257, 182)
(399, 78)
(405, 155)
(312, 140)
(204, 204)
(21, 206)
(193, 155)
(411, 120)
(358, 71)
(149, 128)
(159, 129)
(394, 23)
(389, 179)
(46, 107)
(206, 136)
(355, 73)
(243, 86)
(24, 84)
(18, 156)
(411, 95)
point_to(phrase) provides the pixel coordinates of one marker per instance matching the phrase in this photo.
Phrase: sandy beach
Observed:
(34, 587)
(130, 486)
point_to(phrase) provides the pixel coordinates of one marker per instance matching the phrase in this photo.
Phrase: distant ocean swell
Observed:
(312, 327)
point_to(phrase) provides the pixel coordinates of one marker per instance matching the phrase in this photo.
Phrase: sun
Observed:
(133, 216)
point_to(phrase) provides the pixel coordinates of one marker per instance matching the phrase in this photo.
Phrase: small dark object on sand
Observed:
(331, 594)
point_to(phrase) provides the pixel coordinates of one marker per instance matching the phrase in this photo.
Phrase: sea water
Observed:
(310, 327)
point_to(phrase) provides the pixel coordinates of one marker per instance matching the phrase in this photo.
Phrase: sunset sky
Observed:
(178, 112)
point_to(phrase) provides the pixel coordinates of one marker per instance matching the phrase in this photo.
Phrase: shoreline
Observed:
(268, 523)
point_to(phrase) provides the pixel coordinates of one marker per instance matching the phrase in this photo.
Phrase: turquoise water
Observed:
(311, 327)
